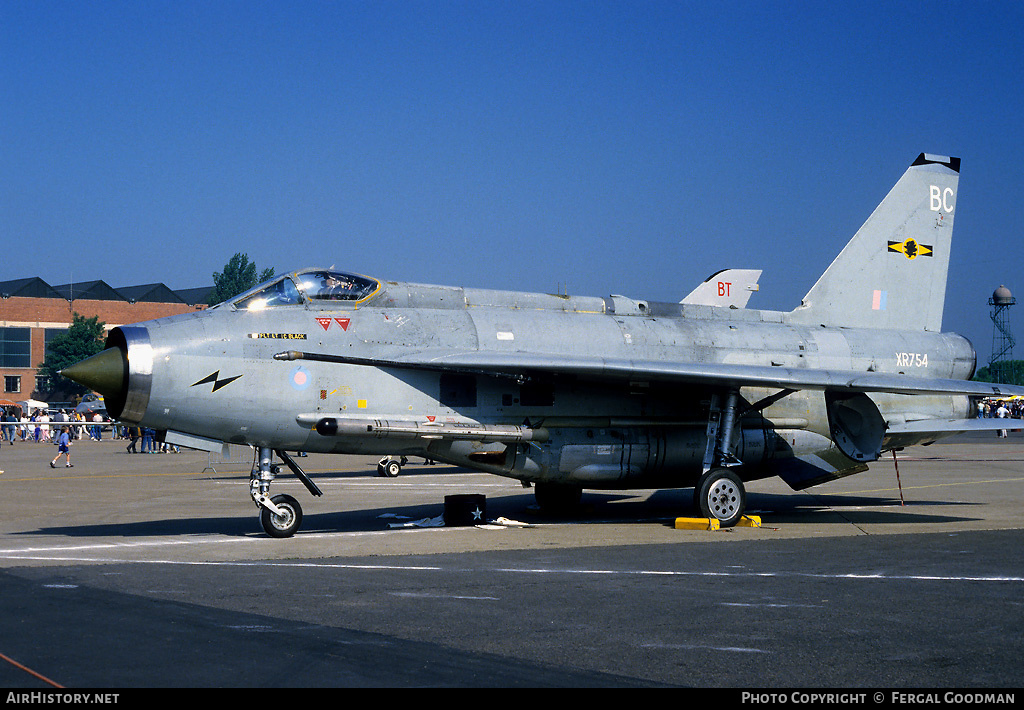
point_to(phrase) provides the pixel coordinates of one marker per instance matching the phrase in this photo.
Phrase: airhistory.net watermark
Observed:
(44, 697)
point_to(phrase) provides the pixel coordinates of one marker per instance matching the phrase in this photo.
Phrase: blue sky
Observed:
(598, 147)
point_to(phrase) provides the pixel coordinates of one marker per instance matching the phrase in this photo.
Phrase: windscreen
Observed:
(278, 292)
(322, 285)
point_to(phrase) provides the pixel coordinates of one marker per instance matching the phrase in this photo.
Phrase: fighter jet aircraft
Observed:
(567, 393)
(90, 405)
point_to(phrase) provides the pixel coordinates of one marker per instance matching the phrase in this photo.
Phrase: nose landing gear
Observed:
(281, 515)
(390, 467)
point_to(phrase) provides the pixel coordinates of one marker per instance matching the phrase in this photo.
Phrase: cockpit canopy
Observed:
(307, 286)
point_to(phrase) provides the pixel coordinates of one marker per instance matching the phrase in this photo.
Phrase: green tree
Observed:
(238, 276)
(83, 339)
(1007, 372)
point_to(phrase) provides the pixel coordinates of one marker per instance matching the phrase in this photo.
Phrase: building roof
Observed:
(33, 287)
(195, 296)
(90, 290)
(150, 293)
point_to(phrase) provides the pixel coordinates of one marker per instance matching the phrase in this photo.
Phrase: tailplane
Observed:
(892, 274)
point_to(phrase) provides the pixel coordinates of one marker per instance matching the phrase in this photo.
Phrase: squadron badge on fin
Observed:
(911, 248)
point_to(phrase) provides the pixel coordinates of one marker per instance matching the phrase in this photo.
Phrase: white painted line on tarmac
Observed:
(695, 647)
(24, 555)
(28, 553)
(770, 605)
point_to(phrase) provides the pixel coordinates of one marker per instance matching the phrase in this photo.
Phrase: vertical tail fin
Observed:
(892, 274)
(730, 288)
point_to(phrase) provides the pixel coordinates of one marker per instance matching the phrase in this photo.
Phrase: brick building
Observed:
(32, 311)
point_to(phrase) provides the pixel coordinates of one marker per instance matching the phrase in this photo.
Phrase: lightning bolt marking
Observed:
(217, 382)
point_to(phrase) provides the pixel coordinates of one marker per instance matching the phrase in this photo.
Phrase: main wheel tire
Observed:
(282, 525)
(392, 469)
(719, 494)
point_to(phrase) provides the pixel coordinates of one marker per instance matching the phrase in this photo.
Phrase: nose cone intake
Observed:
(105, 372)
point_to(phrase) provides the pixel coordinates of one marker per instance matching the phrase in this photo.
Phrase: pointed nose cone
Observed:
(104, 372)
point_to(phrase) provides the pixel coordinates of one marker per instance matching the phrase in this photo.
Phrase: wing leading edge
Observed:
(524, 366)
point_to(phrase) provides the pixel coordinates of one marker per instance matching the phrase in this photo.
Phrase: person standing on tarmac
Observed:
(133, 434)
(63, 447)
(1002, 413)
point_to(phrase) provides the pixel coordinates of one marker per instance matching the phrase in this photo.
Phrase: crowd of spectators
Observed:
(42, 426)
(1000, 409)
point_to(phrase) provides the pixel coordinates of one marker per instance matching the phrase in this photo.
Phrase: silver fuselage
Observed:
(213, 374)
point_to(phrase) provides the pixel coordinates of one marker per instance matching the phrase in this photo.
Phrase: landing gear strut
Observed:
(719, 491)
(281, 515)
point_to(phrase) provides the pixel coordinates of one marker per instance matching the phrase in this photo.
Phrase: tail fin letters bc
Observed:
(892, 273)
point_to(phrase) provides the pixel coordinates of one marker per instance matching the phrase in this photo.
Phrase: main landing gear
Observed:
(719, 491)
(281, 515)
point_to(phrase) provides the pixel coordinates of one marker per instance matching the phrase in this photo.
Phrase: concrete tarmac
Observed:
(152, 571)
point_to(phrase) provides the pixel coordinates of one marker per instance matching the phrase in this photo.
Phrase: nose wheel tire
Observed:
(719, 494)
(282, 525)
(389, 467)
